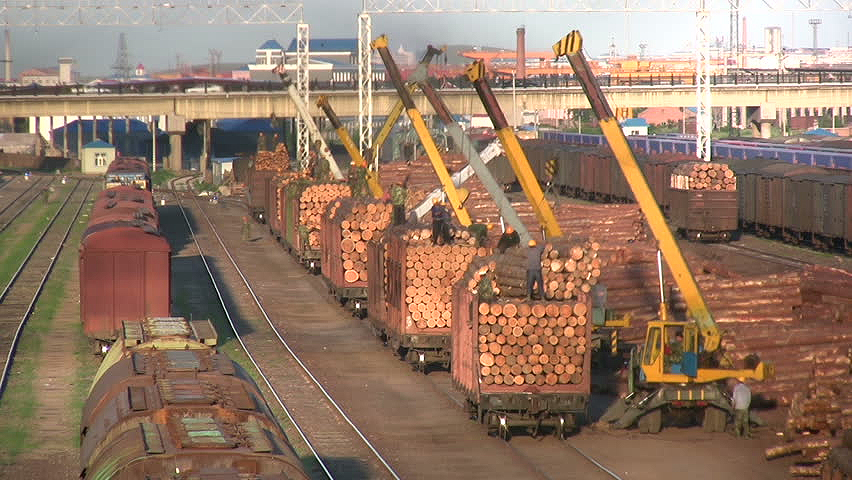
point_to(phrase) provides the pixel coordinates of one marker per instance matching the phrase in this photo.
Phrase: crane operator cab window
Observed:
(673, 350)
(652, 346)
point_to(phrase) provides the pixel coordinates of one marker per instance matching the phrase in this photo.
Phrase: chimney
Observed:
(745, 35)
(521, 59)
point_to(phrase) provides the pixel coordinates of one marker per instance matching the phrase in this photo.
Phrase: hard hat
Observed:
(532, 243)
(436, 201)
(489, 226)
(741, 379)
(509, 229)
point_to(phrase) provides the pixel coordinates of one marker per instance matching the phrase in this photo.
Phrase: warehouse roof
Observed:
(270, 45)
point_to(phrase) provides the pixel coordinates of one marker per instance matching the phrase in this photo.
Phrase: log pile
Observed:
(359, 222)
(427, 273)
(312, 204)
(570, 268)
(278, 160)
(703, 176)
(817, 415)
(537, 343)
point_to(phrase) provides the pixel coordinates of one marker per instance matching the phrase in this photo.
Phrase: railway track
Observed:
(340, 448)
(19, 297)
(22, 196)
(536, 459)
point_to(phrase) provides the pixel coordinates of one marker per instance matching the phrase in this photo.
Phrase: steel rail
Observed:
(239, 338)
(24, 207)
(293, 354)
(19, 331)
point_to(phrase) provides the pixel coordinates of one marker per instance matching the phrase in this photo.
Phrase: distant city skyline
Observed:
(94, 49)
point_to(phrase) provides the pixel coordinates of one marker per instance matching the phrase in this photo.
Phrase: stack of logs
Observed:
(359, 223)
(430, 273)
(703, 176)
(816, 416)
(312, 204)
(532, 343)
(570, 269)
(278, 160)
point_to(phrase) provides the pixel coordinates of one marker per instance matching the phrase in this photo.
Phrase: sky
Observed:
(94, 49)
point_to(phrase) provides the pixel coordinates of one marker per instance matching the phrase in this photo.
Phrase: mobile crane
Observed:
(357, 160)
(455, 199)
(656, 383)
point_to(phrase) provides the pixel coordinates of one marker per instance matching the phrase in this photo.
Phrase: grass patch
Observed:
(161, 176)
(19, 403)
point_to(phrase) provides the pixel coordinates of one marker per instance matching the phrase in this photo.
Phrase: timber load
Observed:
(304, 205)
(346, 228)
(277, 160)
(703, 176)
(420, 276)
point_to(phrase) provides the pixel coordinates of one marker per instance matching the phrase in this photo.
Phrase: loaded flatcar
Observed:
(125, 264)
(168, 405)
(128, 171)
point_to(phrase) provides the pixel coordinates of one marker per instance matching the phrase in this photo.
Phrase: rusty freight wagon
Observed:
(345, 230)
(523, 363)
(128, 171)
(164, 407)
(124, 264)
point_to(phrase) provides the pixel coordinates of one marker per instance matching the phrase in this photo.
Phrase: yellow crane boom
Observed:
(381, 44)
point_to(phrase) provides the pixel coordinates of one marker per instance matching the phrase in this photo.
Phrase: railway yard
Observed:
(349, 407)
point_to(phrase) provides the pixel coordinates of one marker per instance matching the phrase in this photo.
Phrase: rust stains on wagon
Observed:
(124, 263)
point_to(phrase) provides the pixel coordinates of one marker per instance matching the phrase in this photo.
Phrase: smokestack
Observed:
(8, 60)
(745, 35)
(521, 58)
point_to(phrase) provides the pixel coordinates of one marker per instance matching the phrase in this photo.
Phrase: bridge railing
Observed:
(225, 85)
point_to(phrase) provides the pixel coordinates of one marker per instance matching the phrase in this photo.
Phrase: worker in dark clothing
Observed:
(509, 239)
(440, 221)
(534, 270)
(246, 229)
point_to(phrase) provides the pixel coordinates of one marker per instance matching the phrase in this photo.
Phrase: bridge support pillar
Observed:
(79, 140)
(176, 152)
(205, 147)
(51, 140)
(111, 130)
(65, 137)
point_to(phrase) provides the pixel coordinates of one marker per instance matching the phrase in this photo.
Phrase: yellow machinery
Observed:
(517, 158)
(398, 107)
(351, 148)
(666, 372)
(455, 199)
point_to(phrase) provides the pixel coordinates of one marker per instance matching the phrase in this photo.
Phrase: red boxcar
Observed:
(125, 264)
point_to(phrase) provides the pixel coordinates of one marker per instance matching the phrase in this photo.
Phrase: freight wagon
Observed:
(128, 171)
(258, 182)
(345, 230)
(125, 264)
(168, 404)
(553, 393)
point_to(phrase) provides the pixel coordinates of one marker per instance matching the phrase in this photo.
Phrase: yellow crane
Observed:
(657, 382)
(517, 158)
(357, 160)
(455, 199)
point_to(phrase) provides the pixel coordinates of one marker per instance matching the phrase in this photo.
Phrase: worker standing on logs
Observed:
(440, 218)
(398, 196)
(509, 239)
(479, 231)
(534, 270)
(741, 401)
(246, 229)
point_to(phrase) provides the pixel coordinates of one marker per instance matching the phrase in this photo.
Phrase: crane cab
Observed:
(670, 353)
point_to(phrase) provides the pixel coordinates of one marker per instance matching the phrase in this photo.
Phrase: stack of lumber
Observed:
(703, 176)
(359, 222)
(817, 414)
(534, 343)
(278, 160)
(312, 204)
(418, 176)
(428, 273)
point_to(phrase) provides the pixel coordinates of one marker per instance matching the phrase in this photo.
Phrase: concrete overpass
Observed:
(194, 106)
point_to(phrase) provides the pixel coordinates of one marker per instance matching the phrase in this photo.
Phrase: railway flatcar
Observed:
(129, 171)
(166, 404)
(125, 264)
